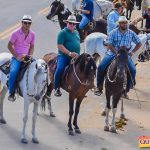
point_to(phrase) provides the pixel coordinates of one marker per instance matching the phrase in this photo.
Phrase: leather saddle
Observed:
(5, 68)
(52, 63)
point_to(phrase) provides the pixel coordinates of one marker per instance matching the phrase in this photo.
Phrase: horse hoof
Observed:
(35, 140)
(122, 116)
(106, 128)
(24, 141)
(113, 130)
(71, 132)
(52, 115)
(103, 113)
(77, 131)
(3, 121)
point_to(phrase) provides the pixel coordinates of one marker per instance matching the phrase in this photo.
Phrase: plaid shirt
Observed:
(118, 39)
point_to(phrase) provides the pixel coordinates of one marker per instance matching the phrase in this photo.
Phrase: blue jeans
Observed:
(83, 22)
(62, 62)
(101, 71)
(14, 69)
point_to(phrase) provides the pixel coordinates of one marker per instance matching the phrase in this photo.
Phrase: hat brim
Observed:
(66, 21)
(26, 20)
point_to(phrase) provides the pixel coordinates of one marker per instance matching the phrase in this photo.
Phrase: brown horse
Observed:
(77, 79)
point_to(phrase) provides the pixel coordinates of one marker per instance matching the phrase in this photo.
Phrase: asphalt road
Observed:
(52, 132)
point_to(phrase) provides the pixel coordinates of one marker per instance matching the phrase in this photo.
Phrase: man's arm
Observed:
(11, 49)
(112, 48)
(65, 51)
(136, 47)
(31, 50)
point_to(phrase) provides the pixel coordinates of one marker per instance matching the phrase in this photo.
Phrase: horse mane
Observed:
(83, 66)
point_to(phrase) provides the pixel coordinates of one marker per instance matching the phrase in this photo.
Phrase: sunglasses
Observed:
(70, 23)
(27, 23)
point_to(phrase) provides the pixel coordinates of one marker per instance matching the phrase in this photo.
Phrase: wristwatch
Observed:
(69, 53)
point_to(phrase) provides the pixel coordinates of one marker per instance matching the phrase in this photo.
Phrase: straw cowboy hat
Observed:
(26, 18)
(72, 19)
(122, 19)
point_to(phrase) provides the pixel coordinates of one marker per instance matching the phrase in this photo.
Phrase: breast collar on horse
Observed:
(75, 73)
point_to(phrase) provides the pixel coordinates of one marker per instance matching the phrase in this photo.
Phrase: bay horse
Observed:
(77, 79)
(32, 87)
(115, 84)
(57, 8)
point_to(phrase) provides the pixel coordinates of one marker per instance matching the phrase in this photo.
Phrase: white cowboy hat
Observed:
(72, 19)
(122, 19)
(26, 18)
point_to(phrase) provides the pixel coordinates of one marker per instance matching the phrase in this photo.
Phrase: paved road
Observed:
(52, 132)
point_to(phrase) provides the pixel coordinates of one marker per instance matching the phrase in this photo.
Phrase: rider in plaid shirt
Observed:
(119, 37)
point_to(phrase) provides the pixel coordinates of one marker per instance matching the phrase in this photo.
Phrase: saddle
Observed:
(52, 63)
(5, 68)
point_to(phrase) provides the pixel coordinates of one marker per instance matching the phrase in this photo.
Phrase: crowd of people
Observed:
(21, 43)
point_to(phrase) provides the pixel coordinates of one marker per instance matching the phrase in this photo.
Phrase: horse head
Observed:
(87, 67)
(121, 61)
(55, 8)
(41, 79)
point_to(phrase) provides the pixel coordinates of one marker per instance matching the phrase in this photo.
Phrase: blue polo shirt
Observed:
(88, 5)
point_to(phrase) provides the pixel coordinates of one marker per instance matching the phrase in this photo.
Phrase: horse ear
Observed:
(36, 66)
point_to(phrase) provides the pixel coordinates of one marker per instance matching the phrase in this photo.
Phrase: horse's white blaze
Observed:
(33, 83)
(94, 44)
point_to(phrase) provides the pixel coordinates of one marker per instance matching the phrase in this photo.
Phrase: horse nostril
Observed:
(37, 97)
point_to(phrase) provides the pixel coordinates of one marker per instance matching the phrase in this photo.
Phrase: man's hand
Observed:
(21, 58)
(73, 54)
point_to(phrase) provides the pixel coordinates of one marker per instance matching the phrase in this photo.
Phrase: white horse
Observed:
(33, 87)
(101, 7)
(94, 44)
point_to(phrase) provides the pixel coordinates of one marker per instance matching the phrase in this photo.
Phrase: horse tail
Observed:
(43, 104)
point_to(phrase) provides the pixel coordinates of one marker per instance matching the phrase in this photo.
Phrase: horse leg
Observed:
(77, 130)
(49, 91)
(2, 96)
(122, 115)
(114, 110)
(71, 104)
(106, 127)
(25, 118)
(34, 117)
(127, 13)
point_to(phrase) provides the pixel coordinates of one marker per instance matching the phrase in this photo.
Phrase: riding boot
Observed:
(81, 33)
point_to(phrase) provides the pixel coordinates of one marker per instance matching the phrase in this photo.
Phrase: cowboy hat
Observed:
(72, 19)
(122, 19)
(26, 18)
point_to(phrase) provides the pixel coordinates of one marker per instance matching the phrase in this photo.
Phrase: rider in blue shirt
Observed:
(86, 10)
(119, 37)
(112, 18)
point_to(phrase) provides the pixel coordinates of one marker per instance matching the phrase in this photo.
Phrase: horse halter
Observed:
(82, 83)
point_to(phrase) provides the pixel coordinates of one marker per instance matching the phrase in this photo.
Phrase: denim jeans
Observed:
(62, 62)
(101, 71)
(83, 22)
(14, 69)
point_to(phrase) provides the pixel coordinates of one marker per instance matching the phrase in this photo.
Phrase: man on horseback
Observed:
(112, 18)
(119, 37)
(68, 43)
(21, 44)
(87, 9)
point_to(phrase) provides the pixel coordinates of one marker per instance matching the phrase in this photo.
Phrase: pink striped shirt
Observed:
(21, 44)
